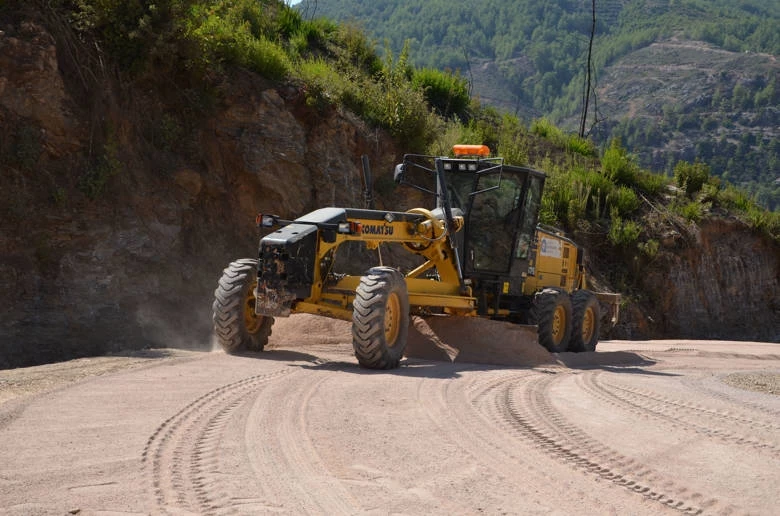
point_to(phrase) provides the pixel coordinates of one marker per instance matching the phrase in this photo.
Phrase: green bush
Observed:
(692, 211)
(449, 133)
(579, 194)
(237, 39)
(598, 188)
(513, 142)
(129, 29)
(649, 248)
(762, 219)
(618, 165)
(485, 123)
(579, 197)
(582, 146)
(623, 200)
(137, 33)
(321, 79)
(548, 213)
(691, 177)
(650, 183)
(326, 86)
(390, 101)
(263, 56)
(404, 110)
(557, 195)
(543, 128)
(311, 37)
(602, 187)
(572, 143)
(359, 51)
(288, 22)
(623, 233)
(734, 198)
(448, 94)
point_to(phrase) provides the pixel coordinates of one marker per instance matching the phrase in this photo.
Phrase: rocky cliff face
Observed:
(136, 264)
(724, 284)
(111, 243)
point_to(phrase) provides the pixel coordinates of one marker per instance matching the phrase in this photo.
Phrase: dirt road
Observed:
(636, 428)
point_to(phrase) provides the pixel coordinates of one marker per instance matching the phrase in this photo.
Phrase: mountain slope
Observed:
(529, 57)
(681, 99)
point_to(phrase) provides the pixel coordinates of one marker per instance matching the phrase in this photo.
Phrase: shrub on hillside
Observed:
(692, 211)
(623, 200)
(691, 177)
(448, 94)
(324, 84)
(618, 165)
(623, 233)
(311, 37)
(513, 141)
(751, 213)
(485, 122)
(130, 30)
(543, 128)
(579, 145)
(359, 51)
(405, 113)
(650, 183)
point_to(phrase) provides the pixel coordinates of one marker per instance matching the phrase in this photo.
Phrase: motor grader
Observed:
(480, 249)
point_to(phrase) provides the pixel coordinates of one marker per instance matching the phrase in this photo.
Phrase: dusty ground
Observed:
(636, 428)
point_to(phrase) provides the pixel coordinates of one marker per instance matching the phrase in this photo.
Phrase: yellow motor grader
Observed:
(482, 254)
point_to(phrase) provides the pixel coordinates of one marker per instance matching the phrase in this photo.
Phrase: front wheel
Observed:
(551, 311)
(236, 325)
(380, 318)
(586, 321)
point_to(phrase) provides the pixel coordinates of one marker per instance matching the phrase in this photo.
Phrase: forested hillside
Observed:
(530, 57)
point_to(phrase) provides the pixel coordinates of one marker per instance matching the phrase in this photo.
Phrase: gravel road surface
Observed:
(652, 427)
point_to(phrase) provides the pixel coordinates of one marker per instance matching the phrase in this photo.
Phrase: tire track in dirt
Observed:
(280, 450)
(478, 425)
(684, 415)
(182, 455)
(718, 390)
(528, 409)
(683, 406)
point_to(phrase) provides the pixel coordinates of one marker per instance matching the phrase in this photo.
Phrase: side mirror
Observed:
(398, 176)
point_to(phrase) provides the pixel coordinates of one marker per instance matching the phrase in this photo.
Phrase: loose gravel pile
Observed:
(768, 383)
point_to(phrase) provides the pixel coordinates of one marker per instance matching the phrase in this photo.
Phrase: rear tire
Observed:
(551, 311)
(586, 321)
(236, 325)
(380, 319)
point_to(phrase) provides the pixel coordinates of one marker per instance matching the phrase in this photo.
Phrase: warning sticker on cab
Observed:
(550, 247)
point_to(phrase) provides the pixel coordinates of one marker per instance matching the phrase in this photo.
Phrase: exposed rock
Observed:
(726, 285)
(137, 265)
(31, 87)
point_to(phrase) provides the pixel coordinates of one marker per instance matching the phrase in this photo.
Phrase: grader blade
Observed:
(475, 340)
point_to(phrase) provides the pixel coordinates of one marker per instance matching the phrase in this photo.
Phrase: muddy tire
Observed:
(586, 321)
(236, 325)
(551, 311)
(380, 319)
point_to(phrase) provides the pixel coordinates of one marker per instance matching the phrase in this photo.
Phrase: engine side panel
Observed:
(285, 268)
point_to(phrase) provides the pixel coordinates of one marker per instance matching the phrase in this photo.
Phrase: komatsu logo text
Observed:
(374, 229)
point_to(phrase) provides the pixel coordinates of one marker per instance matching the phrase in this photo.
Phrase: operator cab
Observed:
(500, 204)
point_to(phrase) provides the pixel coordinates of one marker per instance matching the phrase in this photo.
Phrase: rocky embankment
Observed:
(112, 242)
(137, 263)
